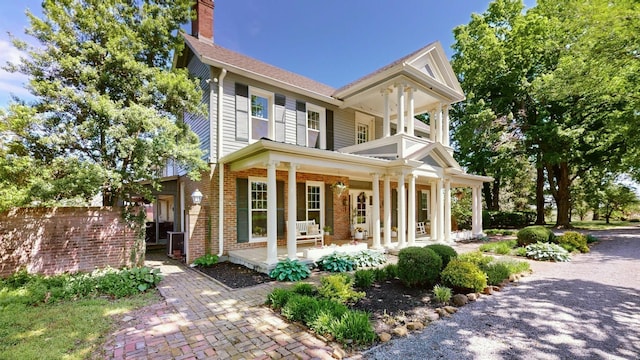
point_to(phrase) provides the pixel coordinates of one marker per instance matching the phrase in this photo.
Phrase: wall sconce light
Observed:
(196, 197)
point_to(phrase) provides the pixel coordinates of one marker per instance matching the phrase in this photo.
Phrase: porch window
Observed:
(360, 215)
(425, 203)
(260, 114)
(362, 134)
(314, 202)
(365, 127)
(258, 209)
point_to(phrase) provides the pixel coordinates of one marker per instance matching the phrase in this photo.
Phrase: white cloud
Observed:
(10, 83)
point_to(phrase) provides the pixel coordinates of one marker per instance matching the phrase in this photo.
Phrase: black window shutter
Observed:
(242, 112)
(280, 99)
(330, 145)
(301, 203)
(328, 206)
(280, 206)
(242, 213)
(301, 123)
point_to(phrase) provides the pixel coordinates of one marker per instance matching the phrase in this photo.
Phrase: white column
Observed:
(474, 211)
(433, 128)
(447, 210)
(386, 122)
(411, 111)
(402, 212)
(445, 126)
(272, 214)
(434, 210)
(376, 211)
(480, 212)
(400, 109)
(411, 216)
(292, 247)
(439, 123)
(440, 210)
(387, 211)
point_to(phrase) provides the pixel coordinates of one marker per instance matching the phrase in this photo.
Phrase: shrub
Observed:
(418, 266)
(476, 257)
(328, 312)
(500, 247)
(515, 266)
(547, 251)
(339, 288)
(445, 252)
(354, 326)
(304, 289)
(206, 260)
(520, 251)
(591, 239)
(380, 274)
(336, 262)
(290, 270)
(279, 297)
(463, 276)
(392, 271)
(364, 278)
(572, 240)
(368, 258)
(496, 273)
(442, 294)
(300, 308)
(507, 219)
(534, 234)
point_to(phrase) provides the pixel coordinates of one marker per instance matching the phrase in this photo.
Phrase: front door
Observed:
(361, 205)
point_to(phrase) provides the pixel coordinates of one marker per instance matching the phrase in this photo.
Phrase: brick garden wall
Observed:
(58, 240)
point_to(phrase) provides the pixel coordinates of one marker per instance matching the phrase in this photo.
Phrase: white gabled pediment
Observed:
(435, 153)
(432, 61)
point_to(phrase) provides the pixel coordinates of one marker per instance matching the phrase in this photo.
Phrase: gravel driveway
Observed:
(588, 308)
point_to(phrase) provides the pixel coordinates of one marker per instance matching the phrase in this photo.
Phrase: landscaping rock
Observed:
(450, 309)
(442, 312)
(400, 331)
(338, 353)
(513, 278)
(488, 290)
(496, 288)
(414, 325)
(459, 300)
(432, 316)
(472, 297)
(384, 337)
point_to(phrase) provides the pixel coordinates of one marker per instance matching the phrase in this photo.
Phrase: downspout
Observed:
(223, 73)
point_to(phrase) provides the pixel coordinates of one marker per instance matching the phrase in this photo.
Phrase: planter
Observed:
(328, 239)
(315, 254)
(358, 235)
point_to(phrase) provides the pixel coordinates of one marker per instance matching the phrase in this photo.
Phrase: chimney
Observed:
(202, 26)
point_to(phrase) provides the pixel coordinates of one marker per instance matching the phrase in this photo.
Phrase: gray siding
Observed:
(199, 123)
(344, 127)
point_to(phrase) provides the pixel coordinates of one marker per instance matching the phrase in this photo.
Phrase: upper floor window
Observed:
(362, 133)
(364, 128)
(261, 103)
(316, 132)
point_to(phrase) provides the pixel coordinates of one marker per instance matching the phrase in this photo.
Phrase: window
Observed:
(360, 216)
(362, 133)
(258, 209)
(364, 127)
(424, 205)
(314, 202)
(260, 114)
(316, 127)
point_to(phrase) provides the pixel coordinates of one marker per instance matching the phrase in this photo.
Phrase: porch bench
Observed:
(303, 233)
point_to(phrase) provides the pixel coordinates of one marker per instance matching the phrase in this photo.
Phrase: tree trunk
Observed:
(596, 213)
(540, 196)
(486, 190)
(495, 205)
(559, 182)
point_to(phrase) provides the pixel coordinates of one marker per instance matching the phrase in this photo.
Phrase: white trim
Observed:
(252, 179)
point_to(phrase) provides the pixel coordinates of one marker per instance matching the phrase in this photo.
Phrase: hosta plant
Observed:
(290, 270)
(547, 251)
(368, 258)
(336, 262)
(206, 260)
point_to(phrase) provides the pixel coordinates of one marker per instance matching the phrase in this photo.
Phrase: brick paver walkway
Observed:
(201, 319)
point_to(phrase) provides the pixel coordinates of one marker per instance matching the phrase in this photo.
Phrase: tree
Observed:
(618, 199)
(107, 114)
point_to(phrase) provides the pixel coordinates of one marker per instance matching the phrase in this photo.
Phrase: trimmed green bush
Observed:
(476, 257)
(445, 252)
(290, 270)
(534, 234)
(547, 252)
(496, 273)
(364, 278)
(418, 266)
(573, 241)
(336, 262)
(339, 288)
(464, 277)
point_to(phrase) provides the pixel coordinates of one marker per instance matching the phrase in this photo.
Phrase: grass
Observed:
(65, 330)
(600, 224)
(500, 247)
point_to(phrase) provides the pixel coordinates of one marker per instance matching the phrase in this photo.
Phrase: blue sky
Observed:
(331, 41)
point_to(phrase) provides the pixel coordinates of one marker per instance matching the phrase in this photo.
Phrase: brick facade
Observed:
(59, 240)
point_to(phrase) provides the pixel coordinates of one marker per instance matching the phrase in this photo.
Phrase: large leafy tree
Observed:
(108, 105)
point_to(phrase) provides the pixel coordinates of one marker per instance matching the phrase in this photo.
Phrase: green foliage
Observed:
(304, 289)
(107, 111)
(520, 251)
(533, 234)
(391, 271)
(206, 260)
(573, 241)
(336, 262)
(463, 276)
(290, 270)
(326, 314)
(461, 208)
(508, 219)
(476, 257)
(445, 252)
(496, 273)
(547, 252)
(127, 281)
(442, 294)
(501, 247)
(515, 266)
(354, 326)
(339, 288)
(379, 274)
(368, 258)
(279, 297)
(364, 278)
(300, 308)
(591, 239)
(502, 232)
(418, 266)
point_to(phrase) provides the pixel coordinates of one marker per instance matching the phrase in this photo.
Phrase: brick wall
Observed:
(58, 240)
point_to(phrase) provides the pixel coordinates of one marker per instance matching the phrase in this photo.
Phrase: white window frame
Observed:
(271, 108)
(320, 185)
(428, 202)
(253, 239)
(369, 121)
(322, 136)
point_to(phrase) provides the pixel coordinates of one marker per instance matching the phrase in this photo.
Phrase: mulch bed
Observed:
(235, 276)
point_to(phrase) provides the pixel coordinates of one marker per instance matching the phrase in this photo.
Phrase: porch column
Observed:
(432, 125)
(445, 126)
(479, 211)
(434, 210)
(439, 123)
(386, 122)
(402, 212)
(400, 128)
(411, 216)
(376, 211)
(272, 214)
(411, 111)
(387, 211)
(447, 210)
(474, 211)
(292, 247)
(441, 229)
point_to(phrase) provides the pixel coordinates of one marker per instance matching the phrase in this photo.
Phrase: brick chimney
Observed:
(202, 26)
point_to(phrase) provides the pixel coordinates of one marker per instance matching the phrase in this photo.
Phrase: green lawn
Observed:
(601, 225)
(62, 330)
